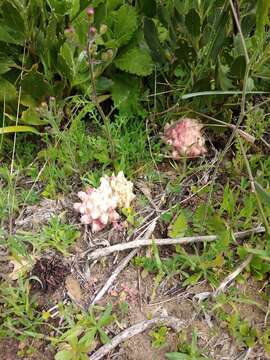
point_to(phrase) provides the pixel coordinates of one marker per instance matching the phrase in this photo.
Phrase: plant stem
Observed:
(95, 97)
(235, 15)
(253, 189)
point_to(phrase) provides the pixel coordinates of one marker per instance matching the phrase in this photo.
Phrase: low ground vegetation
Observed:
(88, 91)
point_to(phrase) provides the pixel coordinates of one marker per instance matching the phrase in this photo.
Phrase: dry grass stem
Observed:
(229, 279)
(99, 253)
(136, 329)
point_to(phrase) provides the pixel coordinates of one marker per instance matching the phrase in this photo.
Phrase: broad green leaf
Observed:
(84, 356)
(47, 47)
(158, 261)
(264, 194)
(114, 4)
(224, 240)
(124, 24)
(28, 101)
(18, 128)
(102, 98)
(250, 84)
(66, 62)
(5, 64)
(103, 84)
(13, 18)
(81, 25)
(35, 84)
(106, 317)
(248, 24)
(60, 7)
(12, 25)
(104, 338)
(229, 200)
(259, 266)
(148, 7)
(96, 3)
(67, 53)
(64, 355)
(219, 34)
(177, 356)
(87, 339)
(178, 227)
(183, 6)
(193, 279)
(72, 333)
(215, 224)
(223, 80)
(5, 35)
(179, 72)
(125, 94)
(32, 117)
(193, 23)
(7, 91)
(135, 61)
(238, 67)
(152, 40)
(262, 17)
(164, 12)
(263, 254)
(75, 8)
(185, 52)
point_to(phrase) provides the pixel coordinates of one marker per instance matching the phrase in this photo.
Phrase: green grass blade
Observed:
(218, 92)
(264, 194)
(18, 128)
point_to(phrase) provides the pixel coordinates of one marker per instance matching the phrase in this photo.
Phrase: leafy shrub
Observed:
(192, 45)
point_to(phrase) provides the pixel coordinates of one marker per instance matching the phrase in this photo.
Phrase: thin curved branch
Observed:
(136, 329)
(99, 253)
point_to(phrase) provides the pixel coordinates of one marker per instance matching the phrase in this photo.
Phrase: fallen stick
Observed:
(232, 276)
(113, 276)
(136, 329)
(96, 254)
(121, 267)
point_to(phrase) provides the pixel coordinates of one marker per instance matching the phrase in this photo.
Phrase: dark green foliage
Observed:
(191, 44)
(145, 56)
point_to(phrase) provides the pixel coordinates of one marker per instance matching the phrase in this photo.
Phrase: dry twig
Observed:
(121, 267)
(136, 329)
(232, 276)
(113, 276)
(96, 254)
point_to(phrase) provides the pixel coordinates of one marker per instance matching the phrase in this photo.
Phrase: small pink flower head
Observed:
(92, 30)
(90, 14)
(91, 34)
(98, 206)
(186, 138)
(90, 11)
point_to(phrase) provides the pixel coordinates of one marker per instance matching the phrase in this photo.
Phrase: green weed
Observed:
(188, 351)
(159, 336)
(19, 311)
(76, 342)
(55, 235)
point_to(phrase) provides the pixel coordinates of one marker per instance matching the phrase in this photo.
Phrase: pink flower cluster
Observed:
(98, 206)
(186, 138)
